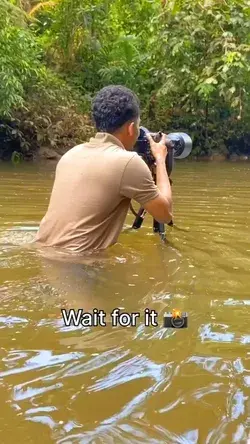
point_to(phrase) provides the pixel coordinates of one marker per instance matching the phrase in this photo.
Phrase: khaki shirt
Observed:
(94, 184)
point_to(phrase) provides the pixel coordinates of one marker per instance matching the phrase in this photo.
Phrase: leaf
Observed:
(232, 90)
(16, 157)
(235, 103)
(211, 81)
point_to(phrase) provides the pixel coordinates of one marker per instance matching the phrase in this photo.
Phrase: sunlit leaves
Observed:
(19, 65)
(190, 56)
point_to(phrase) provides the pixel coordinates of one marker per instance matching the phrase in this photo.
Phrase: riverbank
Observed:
(34, 136)
(50, 155)
(222, 157)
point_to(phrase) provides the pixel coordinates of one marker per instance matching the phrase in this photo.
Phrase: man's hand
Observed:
(161, 207)
(158, 149)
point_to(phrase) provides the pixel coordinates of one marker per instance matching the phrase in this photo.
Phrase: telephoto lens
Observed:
(182, 144)
(179, 146)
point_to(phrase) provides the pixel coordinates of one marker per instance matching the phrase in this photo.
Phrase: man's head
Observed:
(116, 110)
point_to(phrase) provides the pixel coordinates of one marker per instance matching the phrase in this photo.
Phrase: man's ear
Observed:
(131, 129)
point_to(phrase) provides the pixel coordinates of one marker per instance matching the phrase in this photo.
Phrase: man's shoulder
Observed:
(74, 150)
(114, 153)
(127, 159)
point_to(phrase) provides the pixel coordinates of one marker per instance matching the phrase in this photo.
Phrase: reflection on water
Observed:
(138, 384)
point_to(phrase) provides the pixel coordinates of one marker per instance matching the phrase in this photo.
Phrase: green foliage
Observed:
(188, 61)
(19, 59)
(16, 158)
(35, 104)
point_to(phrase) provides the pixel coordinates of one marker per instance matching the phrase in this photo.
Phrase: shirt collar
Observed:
(106, 138)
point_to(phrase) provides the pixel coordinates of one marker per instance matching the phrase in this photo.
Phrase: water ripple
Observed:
(42, 359)
(134, 368)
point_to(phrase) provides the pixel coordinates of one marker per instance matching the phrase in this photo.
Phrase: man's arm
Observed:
(138, 184)
(161, 208)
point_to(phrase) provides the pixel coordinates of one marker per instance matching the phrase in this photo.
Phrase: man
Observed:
(95, 181)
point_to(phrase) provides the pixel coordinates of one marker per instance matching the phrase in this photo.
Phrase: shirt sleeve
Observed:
(137, 182)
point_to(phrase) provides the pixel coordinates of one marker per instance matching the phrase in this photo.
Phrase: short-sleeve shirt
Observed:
(93, 187)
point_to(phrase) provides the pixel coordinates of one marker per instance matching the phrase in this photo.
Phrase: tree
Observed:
(187, 60)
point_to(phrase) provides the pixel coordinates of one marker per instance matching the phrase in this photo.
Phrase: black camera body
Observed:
(179, 147)
(172, 321)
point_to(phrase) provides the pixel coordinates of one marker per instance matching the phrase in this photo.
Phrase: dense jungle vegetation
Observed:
(188, 61)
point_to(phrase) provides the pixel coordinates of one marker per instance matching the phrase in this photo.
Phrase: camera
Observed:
(179, 147)
(175, 320)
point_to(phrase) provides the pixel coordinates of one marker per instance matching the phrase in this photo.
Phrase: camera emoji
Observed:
(176, 319)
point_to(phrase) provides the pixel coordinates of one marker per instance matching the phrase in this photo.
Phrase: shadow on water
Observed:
(137, 384)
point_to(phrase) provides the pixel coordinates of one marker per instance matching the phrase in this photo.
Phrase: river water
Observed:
(141, 384)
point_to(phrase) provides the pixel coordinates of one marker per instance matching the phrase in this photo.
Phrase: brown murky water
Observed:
(137, 384)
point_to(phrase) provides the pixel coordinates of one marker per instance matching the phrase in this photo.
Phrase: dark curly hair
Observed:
(113, 106)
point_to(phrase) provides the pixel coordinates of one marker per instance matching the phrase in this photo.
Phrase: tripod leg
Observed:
(139, 219)
(159, 228)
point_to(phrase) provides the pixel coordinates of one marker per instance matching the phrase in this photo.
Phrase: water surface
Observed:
(138, 384)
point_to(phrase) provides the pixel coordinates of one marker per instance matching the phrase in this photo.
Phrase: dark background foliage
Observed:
(188, 61)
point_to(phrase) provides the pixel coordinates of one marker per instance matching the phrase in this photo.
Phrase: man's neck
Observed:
(105, 137)
(119, 136)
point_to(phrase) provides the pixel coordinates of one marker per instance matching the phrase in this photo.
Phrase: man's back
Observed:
(93, 187)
